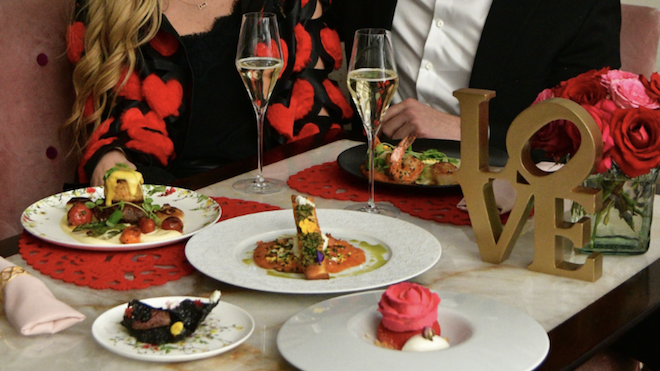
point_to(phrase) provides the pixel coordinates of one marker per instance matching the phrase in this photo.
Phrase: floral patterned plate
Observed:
(43, 218)
(226, 327)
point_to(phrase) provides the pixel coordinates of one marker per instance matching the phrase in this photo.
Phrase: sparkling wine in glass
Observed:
(259, 62)
(372, 82)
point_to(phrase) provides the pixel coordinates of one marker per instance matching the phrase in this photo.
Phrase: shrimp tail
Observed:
(404, 170)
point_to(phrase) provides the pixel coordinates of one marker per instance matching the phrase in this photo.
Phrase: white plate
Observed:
(224, 329)
(42, 219)
(222, 250)
(339, 334)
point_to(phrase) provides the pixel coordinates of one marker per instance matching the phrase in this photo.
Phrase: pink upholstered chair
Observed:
(35, 98)
(640, 32)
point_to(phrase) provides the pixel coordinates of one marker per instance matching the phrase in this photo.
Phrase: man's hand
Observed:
(411, 115)
(108, 160)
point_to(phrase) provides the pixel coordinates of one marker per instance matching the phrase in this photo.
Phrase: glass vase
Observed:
(623, 225)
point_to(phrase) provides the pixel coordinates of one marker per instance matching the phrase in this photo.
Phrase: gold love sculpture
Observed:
(534, 187)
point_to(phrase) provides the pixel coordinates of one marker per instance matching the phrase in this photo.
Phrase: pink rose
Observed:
(545, 94)
(408, 307)
(614, 75)
(631, 93)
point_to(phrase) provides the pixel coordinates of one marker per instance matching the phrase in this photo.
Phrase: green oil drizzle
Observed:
(377, 254)
(274, 273)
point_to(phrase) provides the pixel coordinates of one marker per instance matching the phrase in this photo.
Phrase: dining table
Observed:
(581, 318)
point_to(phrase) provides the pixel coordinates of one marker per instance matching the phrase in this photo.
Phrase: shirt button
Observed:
(429, 66)
(440, 23)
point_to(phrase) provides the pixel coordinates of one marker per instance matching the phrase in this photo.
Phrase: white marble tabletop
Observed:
(550, 300)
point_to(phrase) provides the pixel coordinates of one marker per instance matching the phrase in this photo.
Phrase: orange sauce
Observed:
(278, 255)
(342, 255)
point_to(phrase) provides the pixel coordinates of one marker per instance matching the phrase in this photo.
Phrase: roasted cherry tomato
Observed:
(79, 214)
(172, 223)
(130, 235)
(147, 225)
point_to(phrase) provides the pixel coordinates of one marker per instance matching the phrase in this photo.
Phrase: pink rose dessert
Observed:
(407, 308)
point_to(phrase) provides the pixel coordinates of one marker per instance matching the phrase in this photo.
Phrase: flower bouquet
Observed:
(625, 106)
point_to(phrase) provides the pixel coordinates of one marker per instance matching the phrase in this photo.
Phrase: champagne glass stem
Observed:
(261, 112)
(372, 147)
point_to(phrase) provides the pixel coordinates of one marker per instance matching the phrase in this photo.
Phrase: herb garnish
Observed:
(98, 229)
(118, 166)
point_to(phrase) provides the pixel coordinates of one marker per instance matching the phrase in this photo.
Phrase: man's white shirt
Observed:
(435, 42)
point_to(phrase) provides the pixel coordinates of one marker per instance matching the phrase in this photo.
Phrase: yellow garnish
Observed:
(307, 226)
(133, 178)
(176, 328)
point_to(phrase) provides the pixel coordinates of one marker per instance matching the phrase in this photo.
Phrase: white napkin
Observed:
(32, 308)
(505, 194)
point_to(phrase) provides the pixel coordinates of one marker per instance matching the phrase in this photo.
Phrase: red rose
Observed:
(652, 86)
(636, 134)
(585, 88)
(554, 139)
(408, 307)
(602, 114)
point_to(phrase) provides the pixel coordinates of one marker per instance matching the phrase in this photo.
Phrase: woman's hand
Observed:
(412, 116)
(108, 160)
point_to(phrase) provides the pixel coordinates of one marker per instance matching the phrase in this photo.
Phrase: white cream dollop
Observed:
(304, 201)
(418, 343)
(215, 296)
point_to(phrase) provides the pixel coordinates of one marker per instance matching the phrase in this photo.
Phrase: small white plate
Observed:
(224, 251)
(42, 219)
(226, 327)
(340, 334)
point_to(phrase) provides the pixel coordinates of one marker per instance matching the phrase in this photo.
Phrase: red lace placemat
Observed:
(328, 180)
(122, 270)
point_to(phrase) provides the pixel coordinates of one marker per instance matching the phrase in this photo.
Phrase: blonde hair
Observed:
(114, 31)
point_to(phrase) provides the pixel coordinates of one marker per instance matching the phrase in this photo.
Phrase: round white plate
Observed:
(42, 219)
(339, 334)
(224, 251)
(226, 327)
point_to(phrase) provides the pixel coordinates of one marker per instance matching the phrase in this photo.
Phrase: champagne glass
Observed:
(372, 81)
(259, 62)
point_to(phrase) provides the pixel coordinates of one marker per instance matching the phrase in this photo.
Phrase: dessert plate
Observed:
(483, 335)
(352, 158)
(226, 327)
(396, 251)
(42, 219)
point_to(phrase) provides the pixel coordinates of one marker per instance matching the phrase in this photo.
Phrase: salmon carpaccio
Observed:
(278, 255)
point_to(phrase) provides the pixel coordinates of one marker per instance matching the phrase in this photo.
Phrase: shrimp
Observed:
(405, 169)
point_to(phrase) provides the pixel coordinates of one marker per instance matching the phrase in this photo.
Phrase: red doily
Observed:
(328, 180)
(123, 270)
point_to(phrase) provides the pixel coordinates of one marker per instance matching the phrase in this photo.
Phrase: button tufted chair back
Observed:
(640, 32)
(35, 98)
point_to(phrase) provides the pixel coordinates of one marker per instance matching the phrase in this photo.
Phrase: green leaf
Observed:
(157, 189)
(117, 167)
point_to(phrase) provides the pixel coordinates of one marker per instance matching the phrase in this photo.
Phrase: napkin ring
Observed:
(7, 275)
